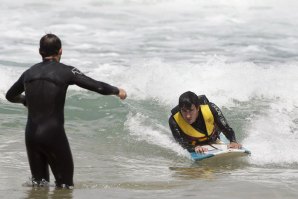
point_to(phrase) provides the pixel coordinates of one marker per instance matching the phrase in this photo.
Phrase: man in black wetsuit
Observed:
(45, 85)
(196, 121)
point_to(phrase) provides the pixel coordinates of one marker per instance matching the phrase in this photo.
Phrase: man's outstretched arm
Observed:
(88, 83)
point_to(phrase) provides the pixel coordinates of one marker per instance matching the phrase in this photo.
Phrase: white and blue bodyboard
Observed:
(219, 150)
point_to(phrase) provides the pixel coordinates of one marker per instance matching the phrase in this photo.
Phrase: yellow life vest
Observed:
(191, 131)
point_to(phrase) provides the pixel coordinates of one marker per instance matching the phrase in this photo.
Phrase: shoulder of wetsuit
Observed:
(175, 110)
(65, 66)
(74, 70)
(203, 99)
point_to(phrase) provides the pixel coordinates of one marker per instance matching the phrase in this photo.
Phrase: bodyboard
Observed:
(219, 150)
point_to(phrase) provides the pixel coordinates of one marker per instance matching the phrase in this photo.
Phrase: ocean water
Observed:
(241, 53)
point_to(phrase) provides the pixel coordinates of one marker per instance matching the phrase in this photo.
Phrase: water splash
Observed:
(145, 129)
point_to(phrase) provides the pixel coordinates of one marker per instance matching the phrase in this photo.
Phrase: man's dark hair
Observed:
(187, 99)
(49, 45)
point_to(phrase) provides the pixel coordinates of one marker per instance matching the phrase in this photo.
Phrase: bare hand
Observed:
(122, 94)
(234, 145)
(199, 149)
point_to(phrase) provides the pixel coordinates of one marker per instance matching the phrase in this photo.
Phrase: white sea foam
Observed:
(272, 138)
(222, 81)
(153, 133)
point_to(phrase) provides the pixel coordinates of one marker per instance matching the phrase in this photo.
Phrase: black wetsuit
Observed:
(221, 125)
(45, 85)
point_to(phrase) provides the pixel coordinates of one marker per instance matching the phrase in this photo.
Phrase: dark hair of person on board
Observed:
(187, 99)
(49, 45)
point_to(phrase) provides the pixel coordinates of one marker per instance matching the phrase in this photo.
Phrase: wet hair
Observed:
(187, 99)
(49, 45)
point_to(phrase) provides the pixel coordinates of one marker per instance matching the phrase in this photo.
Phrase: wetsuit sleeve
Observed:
(81, 80)
(14, 94)
(178, 135)
(222, 123)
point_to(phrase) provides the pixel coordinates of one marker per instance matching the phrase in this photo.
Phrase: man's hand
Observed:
(199, 149)
(234, 145)
(122, 94)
